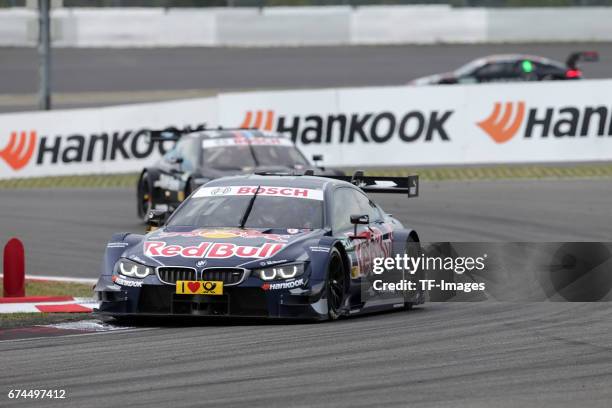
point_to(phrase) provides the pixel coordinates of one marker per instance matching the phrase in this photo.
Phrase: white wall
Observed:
(297, 26)
(417, 25)
(549, 24)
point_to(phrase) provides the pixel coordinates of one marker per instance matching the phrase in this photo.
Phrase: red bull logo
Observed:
(218, 250)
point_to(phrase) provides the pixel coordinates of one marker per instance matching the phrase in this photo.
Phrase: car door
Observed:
(374, 241)
(548, 72)
(503, 71)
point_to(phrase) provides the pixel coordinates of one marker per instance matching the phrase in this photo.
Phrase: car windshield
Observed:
(273, 207)
(469, 68)
(287, 156)
(245, 156)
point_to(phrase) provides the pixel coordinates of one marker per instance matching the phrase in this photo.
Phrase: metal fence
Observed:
(268, 3)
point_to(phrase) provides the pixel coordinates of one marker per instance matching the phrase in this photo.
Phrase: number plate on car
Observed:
(199, 287)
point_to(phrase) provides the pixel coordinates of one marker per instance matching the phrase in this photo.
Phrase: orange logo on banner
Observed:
(19, 150)
(257, 123)
(503, 129)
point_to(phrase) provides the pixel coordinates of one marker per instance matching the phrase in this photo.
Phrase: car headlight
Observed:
(132, 269)
(286, 271)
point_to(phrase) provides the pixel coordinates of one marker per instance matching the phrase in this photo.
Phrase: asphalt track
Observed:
(439, 355)
(94, 77)
(65, 231)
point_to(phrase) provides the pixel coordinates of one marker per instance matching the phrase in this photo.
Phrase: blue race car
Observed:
(263, 245)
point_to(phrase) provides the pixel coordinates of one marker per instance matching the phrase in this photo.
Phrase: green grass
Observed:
(509, 172)
(86, 181)
(52, 288)
(540, 171)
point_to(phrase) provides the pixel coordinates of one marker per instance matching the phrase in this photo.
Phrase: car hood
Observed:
(430, 79)
(219, 247)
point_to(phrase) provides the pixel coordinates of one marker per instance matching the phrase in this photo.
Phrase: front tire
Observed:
(336, 284)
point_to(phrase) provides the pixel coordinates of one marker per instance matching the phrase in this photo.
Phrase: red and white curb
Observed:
(48, 304)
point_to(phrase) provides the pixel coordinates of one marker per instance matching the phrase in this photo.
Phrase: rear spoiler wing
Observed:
(380, 184)
(581, 56)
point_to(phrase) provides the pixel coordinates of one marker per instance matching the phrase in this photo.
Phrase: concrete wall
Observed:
(296, 26)
(550, 24)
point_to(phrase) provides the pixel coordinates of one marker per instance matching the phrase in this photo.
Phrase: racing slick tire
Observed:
(413, 249)
(144, 196)
(336, 284)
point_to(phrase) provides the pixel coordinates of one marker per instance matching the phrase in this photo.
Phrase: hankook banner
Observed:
(404, 126)
(556, 121)
(89, 141)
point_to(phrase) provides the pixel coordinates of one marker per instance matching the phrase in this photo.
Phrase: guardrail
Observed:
(299, 26)
(556, 121)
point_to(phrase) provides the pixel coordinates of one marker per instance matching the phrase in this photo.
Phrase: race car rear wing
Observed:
(382, 184)
(581, 56)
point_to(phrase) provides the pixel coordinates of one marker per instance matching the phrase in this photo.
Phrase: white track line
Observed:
(59, 279)
(132, 330)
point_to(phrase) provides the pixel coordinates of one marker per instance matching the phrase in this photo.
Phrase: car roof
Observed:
(233, 133)
(519, 57)
(311, 182)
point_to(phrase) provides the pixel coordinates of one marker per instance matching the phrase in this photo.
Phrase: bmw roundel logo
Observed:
(201, 263)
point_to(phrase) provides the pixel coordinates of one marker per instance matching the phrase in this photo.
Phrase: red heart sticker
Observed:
(193, 286)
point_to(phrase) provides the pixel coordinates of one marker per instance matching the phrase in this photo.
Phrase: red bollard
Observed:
(14, 269)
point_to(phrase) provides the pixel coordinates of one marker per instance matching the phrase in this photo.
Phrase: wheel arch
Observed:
(345, 259)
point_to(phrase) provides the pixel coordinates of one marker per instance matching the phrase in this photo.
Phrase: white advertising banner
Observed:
(436, 125)
(97, 140)
(559, 121)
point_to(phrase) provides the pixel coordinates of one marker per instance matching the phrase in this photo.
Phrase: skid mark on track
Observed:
(78, 328)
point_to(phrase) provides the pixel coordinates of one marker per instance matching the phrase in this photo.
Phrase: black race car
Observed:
(200, 156)
(273, 246)
(511, 67)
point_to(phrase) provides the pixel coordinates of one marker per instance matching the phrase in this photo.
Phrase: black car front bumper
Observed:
(236, 301)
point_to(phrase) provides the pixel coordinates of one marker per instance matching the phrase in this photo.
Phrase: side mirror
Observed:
(359, 219)
(317, 159)
(156, 218)
(176, 160)
(164, 135)
(363, 219)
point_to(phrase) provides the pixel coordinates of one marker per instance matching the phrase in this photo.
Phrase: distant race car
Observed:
(273, 246)
(203, 155)
(512, 67)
